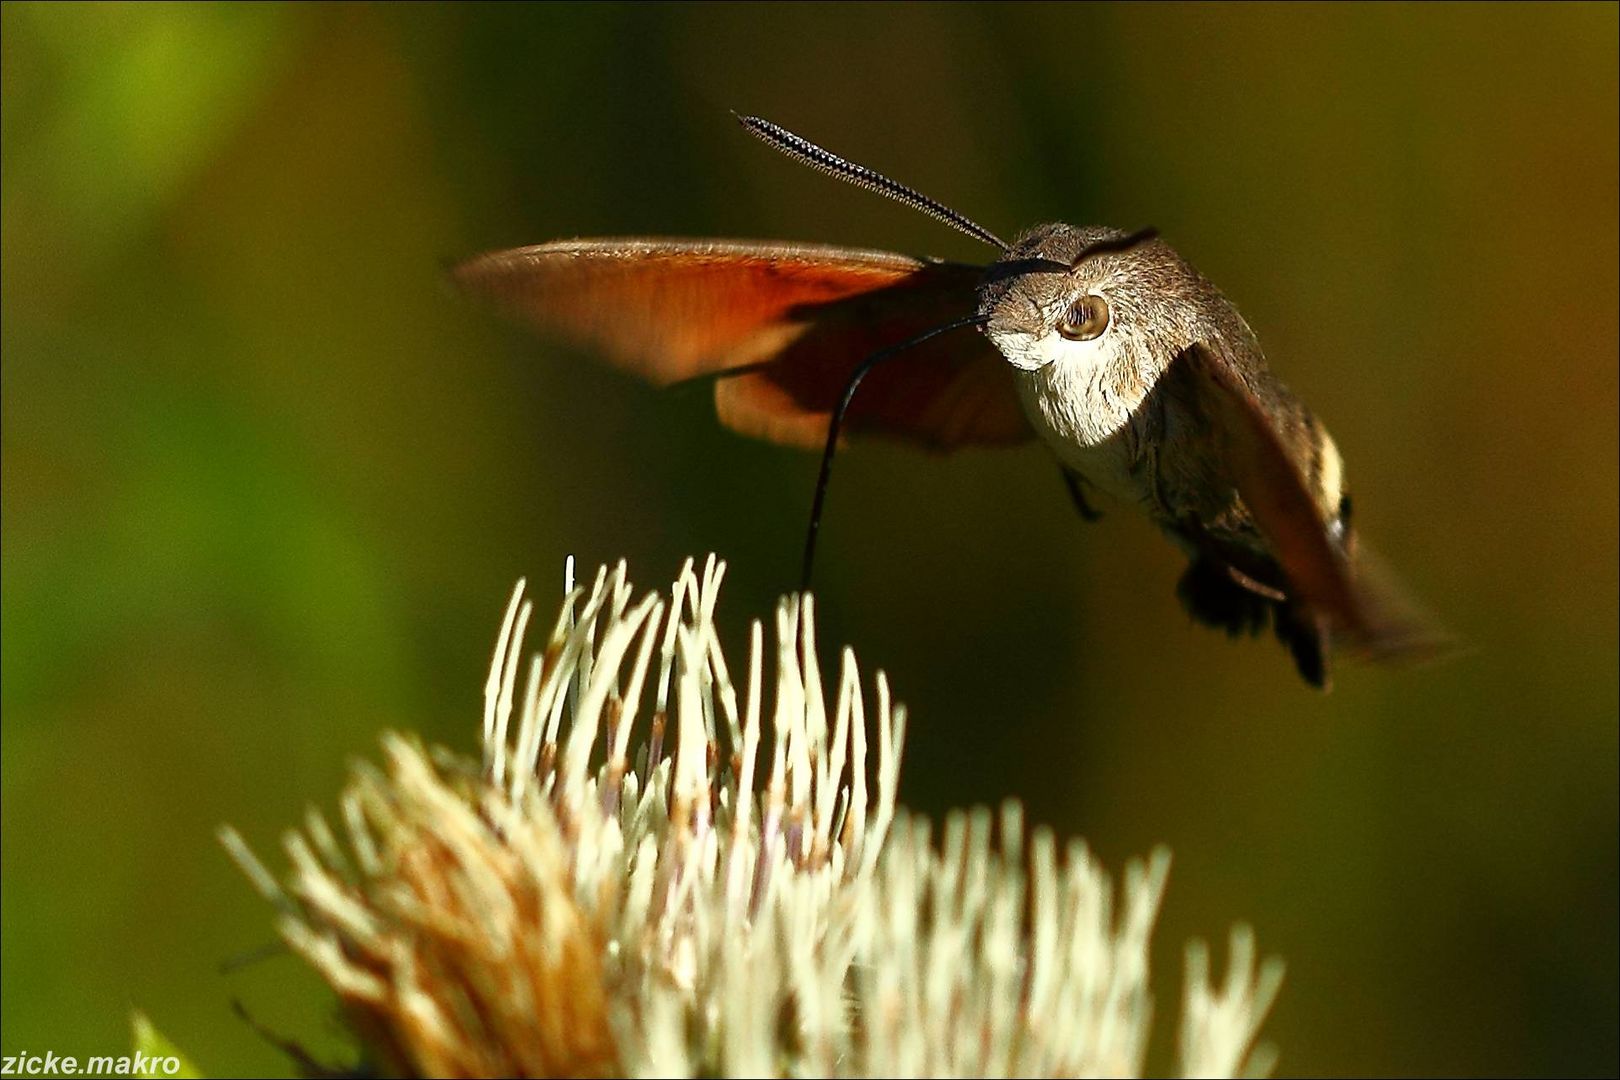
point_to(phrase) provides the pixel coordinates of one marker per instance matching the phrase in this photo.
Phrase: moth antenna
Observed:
(836, 424)
(808, 153)
(1114, 247)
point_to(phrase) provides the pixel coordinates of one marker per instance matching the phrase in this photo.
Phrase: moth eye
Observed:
(1087, 318)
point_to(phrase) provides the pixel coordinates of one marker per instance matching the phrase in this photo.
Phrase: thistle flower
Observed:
(710, 892)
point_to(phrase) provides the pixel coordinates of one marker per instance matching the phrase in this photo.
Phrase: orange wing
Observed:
(1356, 597)
(789, 322)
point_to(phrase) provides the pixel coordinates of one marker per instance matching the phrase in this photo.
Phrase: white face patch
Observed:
(1072, 394)
(1027, 352)
(1030, 353)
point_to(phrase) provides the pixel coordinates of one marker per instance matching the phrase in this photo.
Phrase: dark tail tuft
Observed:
(1212, 597)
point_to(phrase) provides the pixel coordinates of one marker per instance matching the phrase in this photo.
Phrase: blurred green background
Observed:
(267, 481)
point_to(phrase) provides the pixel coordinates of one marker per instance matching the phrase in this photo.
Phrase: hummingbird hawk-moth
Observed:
(1140, 377)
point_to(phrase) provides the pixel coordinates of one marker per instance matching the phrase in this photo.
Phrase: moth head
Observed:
(1079, 295)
